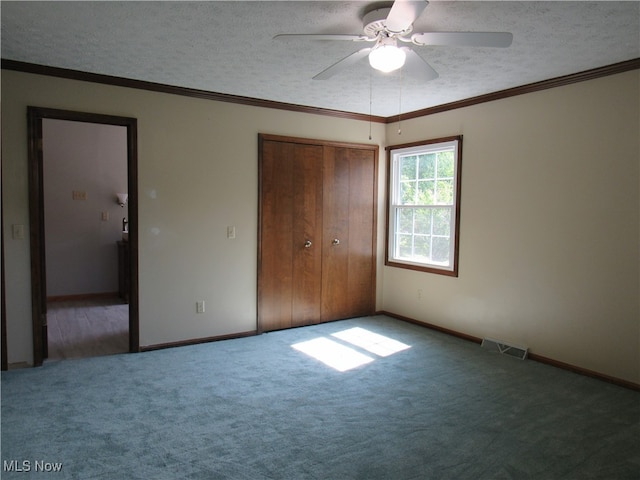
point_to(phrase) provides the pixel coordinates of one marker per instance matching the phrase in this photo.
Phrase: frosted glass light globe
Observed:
(386, 57)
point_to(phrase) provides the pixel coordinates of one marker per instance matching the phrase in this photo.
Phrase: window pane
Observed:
(440, 250)
(445, 164)
(444, 192)
(404, 246)
(408, 168)
(427, 166)
(423, 221)
(425, 192)
(422, 247)
(441, 221)
(407, 193)
(405, 220)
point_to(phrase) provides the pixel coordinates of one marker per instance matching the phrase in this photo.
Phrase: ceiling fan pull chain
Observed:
(400, 105)
(370, 103)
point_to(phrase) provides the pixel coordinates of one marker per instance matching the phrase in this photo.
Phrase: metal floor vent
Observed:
(501, 347)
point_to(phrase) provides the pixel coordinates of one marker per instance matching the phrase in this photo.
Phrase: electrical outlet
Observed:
(105, 216)
(200, 307)
(231, 232)
(419, 294)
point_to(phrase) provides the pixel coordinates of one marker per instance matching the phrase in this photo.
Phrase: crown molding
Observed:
(594, 73)
(69, 74)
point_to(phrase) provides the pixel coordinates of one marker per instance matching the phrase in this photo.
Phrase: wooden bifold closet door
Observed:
(317, 223)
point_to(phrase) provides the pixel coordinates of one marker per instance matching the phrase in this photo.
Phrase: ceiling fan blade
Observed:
(313, 36)
(403, 13)
(342, 64)
(417, 67)
(464, 39)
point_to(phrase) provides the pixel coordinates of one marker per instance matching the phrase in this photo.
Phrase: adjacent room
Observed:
(270, 253)
(86, 296)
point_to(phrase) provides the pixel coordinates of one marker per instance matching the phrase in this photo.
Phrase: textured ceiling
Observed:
(227, 47)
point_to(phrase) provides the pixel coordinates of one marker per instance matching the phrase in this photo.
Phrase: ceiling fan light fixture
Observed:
(386, 56)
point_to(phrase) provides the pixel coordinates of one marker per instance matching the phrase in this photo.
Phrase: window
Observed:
(424, 198)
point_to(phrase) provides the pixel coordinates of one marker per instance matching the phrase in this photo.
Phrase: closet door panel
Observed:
(360, 288)
(348, 226)
(275, 288)
(335, 256)
(289, 277)
(307, 227)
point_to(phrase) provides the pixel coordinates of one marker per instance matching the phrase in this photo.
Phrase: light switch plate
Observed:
(79, 195)
(17, 232)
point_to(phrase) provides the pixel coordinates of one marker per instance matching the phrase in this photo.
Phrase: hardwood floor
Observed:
(87, 328)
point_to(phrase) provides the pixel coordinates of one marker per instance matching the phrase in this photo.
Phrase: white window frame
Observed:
(394, 154)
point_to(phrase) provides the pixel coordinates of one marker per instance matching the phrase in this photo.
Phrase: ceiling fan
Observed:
(391, 31)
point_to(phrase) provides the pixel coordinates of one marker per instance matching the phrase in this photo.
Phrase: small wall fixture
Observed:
(122, 199)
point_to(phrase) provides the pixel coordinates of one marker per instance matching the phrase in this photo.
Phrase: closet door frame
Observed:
(324, 143)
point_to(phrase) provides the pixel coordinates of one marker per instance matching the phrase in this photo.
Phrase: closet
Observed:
(317, 224)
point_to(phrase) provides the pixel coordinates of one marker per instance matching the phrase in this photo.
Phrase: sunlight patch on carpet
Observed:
(371, 342)
(342, 357)
(333, 354)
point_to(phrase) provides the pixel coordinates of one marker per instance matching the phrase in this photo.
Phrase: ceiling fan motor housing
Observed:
(375, 23)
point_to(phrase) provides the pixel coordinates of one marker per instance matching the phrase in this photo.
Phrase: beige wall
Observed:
(549, 226)
(549, 253)
(197, 175)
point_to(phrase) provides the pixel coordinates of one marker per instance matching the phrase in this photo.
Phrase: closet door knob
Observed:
(307, 244)
(336, 241)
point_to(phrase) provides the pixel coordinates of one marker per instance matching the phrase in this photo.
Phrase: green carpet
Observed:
(257, 408)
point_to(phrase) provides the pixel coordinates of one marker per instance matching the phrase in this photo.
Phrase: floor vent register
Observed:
(505, 348)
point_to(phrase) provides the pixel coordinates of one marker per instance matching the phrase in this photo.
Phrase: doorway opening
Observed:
(84, 272)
